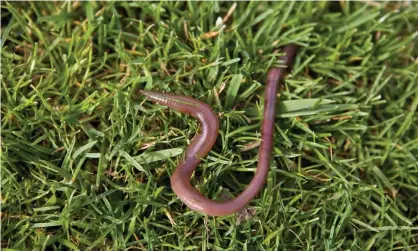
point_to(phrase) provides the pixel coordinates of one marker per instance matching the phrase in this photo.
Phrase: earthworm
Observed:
(205, 139)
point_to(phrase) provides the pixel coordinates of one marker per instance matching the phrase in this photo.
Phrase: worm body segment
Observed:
(205, 139)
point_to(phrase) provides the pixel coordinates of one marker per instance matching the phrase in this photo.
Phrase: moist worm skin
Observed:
(205, 139)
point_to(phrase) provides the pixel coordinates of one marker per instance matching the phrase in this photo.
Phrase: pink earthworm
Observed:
(205, 139)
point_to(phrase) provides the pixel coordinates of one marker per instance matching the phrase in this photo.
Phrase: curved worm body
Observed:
(205, 139)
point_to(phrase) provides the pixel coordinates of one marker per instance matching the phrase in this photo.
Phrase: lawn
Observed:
(86, 160)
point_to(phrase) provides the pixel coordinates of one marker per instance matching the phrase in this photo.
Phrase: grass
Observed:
(86, 161)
